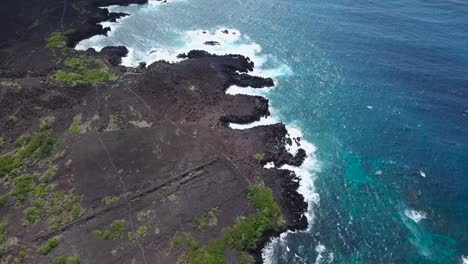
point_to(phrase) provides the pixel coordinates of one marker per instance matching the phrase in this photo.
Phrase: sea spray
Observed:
(414, 215)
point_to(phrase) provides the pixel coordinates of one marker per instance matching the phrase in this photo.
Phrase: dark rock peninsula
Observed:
(117, 165)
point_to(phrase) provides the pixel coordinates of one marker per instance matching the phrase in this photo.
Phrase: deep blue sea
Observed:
(380, 88)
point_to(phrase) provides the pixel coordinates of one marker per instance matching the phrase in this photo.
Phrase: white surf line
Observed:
(304, 172)
(93, 42)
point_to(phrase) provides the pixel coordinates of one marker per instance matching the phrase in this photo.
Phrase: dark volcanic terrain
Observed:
(115, 170)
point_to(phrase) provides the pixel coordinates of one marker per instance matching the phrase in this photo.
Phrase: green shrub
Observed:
(104, 235)
(201, 222)
(8, 164)
(66, 260)
(24, 185)
(32, 215)
(245, 258)
(262, 199)
(117, 231)
(111, 199)
(118, 228)
(243, 235)
(142, 231)
(259, 156)
(2, 143)
(211, 254)
(48, 246)
(21, 256)
(184, 239)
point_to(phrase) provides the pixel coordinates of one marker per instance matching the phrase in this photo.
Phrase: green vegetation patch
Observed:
(3, 237)
(141, 232)
(262, 199)
(206, 220)
(242, 236)
(75, 127)
(245, 233)
(57, 207)
(48, 246)
(23, 186)
(58, 40)
(6, 243)
(211, 254)
(83, 70)
(66, 260)
(145, 215)
(184, 239)
(111, 199)
(117, 231)
(36, 146)
(259, 156)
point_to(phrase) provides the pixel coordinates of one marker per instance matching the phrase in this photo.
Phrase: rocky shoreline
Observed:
(150, 135)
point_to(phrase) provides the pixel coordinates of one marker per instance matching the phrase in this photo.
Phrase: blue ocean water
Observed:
(379, 87)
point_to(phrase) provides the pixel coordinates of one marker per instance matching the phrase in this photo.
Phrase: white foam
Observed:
(422, 173)
(464, 260)
(320, 249)
(264, 121)
(414, 215)
(234, 90)
(269, 165)
(97, 41)
(233, 42)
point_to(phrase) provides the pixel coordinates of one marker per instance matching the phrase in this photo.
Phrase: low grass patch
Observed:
(206, 220)
(113, 124)
(75, 127)
(117, 231)
(259, 156)
(2, 143)
(184, 239)
(58, 40)
(110, 199)
(83, 70)
(48, 246)
(141, 232)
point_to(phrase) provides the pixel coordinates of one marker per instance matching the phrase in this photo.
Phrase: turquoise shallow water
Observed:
(379, 87)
